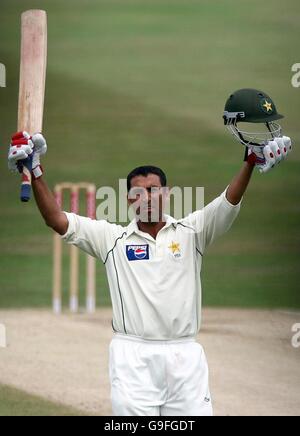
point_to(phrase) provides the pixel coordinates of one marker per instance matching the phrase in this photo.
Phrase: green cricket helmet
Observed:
(252, 106)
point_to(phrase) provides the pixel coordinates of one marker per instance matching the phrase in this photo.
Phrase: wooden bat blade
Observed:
(32, 70)
(32, 82)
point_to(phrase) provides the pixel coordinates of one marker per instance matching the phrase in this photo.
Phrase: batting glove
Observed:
(267, 156)
(23, 146)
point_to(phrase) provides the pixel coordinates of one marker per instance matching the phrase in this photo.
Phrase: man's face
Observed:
(148, 198)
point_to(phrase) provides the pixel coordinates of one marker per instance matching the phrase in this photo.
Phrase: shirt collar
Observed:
(133, 227)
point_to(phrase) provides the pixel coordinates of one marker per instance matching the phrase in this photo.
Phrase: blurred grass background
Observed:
(20, 403)
(134, 82)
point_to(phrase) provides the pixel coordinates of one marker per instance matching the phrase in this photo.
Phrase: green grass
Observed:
(15, 402)
(132, 82)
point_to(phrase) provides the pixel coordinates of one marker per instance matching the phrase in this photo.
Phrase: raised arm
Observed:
(22, 147)
(239, 184)
(48, 207)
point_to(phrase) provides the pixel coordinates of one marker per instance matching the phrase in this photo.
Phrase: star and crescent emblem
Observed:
(268, 106)
(175, 247)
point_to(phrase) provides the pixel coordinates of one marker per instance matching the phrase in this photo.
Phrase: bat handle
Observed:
(26, 179)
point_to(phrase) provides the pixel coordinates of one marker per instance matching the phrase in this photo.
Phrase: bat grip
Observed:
(26, 179)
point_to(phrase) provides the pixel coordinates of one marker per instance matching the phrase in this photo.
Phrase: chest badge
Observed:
(137, 252)
(175, 249)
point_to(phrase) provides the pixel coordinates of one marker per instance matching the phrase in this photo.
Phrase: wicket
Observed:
(74, 190)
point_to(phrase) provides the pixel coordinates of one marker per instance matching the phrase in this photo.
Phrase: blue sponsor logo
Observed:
(137, 252)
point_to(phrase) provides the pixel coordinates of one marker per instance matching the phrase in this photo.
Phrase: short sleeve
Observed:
(89, 235)
(213, 220)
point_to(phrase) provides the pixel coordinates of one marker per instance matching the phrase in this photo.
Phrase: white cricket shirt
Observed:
(154, 285)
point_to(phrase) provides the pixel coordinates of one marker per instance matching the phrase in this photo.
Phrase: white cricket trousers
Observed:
(155, 378)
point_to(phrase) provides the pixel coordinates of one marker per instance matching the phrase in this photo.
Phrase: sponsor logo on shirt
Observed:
(137, 252)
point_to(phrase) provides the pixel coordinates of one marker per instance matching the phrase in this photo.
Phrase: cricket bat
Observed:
(33, 63)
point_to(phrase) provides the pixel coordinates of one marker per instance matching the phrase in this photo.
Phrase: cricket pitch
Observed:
(254, 370)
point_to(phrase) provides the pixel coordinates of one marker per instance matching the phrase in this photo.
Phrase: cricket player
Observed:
(153, 266)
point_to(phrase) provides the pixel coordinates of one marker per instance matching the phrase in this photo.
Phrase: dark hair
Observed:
(145, 171)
